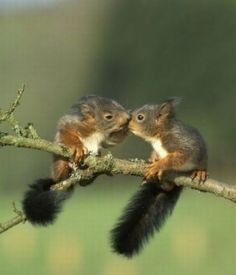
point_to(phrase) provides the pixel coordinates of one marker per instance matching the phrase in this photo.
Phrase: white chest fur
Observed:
(93, 142)
(162, 152)
(158, 147)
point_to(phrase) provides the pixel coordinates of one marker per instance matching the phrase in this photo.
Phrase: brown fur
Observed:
(183, 144)
(173, 161)
(85, 119)
(60, 169)
(72, 138)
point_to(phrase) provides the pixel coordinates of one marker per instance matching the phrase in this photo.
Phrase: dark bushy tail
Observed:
(145, 213)
(41, 204)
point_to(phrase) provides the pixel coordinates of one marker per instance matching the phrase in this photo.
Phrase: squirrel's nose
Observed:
(125, 119)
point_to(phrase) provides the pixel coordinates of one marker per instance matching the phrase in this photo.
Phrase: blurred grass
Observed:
(196, 239)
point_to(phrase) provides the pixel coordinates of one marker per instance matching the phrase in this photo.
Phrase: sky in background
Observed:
(6, 4)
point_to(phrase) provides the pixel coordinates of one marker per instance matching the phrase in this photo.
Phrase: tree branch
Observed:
(93, 166)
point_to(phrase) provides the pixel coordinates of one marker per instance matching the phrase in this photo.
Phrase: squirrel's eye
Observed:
(108, 117)
(140, 117)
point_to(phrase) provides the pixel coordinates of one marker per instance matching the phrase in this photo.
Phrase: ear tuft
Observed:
(174, 101)
(167, 108)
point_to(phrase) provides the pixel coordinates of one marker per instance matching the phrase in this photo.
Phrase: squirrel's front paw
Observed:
(79, 153)
(153, 171)
(200, 175)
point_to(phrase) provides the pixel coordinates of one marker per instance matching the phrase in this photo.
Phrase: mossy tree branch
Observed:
(27, 137)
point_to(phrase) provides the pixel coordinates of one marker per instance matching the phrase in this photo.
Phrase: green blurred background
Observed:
(135, 52)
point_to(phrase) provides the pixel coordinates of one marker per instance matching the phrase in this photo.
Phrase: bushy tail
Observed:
(145, 213)
(41, 204)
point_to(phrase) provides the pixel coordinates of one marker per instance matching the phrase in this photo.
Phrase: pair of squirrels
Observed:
(96, 122)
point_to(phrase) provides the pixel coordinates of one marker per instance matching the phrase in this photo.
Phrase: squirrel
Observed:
(177, 147)
(93, 123)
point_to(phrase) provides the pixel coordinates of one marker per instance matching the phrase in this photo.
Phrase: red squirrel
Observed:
(177, 147)
(92, 124)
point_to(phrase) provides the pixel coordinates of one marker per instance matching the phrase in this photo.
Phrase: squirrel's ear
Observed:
(168, 107)
(86, 109)
(165, 109)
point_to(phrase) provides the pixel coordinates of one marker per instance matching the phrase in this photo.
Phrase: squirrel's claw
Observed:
(200, 175)
(79, 153)
(153, 172)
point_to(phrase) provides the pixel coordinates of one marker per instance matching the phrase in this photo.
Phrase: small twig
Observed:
(19, 218)
(39, 144)
(8, 116)
(18, 212)
(4, 116)
(31, 131)
(11, 223)
(16, 102)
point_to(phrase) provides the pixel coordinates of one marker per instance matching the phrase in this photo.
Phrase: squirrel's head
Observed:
(149, 120)
(104, 116)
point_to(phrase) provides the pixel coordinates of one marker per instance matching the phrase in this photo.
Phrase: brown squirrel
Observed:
(176, 147)
(93, 123)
